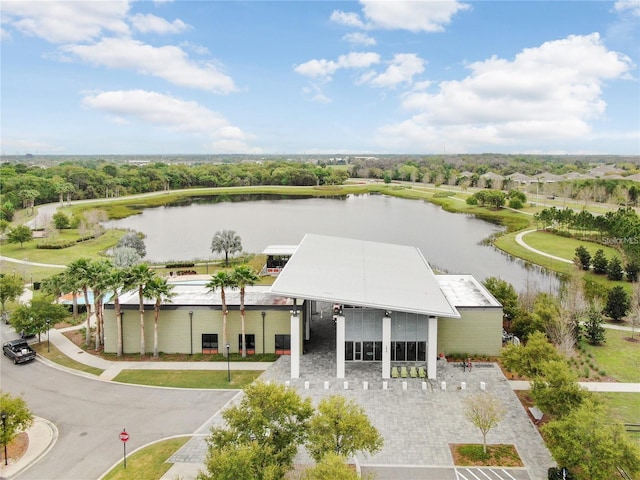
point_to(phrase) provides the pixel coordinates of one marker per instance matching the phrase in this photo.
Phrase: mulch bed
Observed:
(498, 456)
(16, 449)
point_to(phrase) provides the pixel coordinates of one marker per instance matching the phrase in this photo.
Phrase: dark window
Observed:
(251, 343)
(378, 351)
(411, 352)
(422, 351)
(209, 343)
(283, 344)
(348, 350)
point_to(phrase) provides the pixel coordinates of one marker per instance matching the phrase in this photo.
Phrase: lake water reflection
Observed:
(450, 242)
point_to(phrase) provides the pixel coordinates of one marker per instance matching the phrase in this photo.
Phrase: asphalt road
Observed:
(89, 415)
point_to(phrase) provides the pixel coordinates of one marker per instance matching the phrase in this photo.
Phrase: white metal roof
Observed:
(466, 291)
(363, 273)
(280, 250)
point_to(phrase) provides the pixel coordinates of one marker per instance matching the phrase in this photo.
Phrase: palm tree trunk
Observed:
(224, 322)
(74, 300)
(155, 332)
(116, 300)
(87, 337)
(142, 345)
(244, 340)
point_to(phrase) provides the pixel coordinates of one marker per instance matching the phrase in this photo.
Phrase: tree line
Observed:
(22, 186)
(619, 229)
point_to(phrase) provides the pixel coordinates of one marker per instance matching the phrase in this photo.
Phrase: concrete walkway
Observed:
(522, 243)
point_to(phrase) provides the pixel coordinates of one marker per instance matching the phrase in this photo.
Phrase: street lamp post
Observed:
(4, 435)
(263, 315)
(228, 365)
(48, 328)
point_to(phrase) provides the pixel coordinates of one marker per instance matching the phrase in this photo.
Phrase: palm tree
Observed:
(222, 279)
(140, 276)
(244, 275)
(118, 281)
(78, 275)
(55, 285)
(99, 273)
(160, 290)
(227, 241)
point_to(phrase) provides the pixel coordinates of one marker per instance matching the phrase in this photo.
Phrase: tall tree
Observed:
(593, 329)
(117, 282)
(556, 390)
(19, 234)
(244, 275)
(484, 411)
(617, 303)
(78, 273)
(17, 417)
(341, 427)
(10, 288)
(505, 294)
(273, 416)
(221, 280)
(227, 241)
(99, 274)
(592, 444)
(139, 276)
(160, 290)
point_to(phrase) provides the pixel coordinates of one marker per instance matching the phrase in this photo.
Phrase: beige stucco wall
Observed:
(478, 332)
(174, 329)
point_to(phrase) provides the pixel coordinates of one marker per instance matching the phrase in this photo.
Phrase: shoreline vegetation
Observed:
(451, 199)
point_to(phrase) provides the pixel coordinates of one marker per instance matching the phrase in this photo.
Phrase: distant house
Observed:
(602, 170)
(547, 177)
(520, 178)
(578, 176)
(635, 177)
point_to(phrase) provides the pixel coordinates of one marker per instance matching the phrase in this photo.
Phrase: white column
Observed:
(340, 335)
(432, 348)
(295, 344)
(386, 347)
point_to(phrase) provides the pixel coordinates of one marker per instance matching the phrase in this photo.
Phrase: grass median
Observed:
(148, 463)
(207, 379)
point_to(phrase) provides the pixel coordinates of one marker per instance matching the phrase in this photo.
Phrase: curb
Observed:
(43, 435)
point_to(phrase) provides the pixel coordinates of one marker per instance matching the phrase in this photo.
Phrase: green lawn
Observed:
(210, 379)
(148, 463)
(60, 358)
(618, 357)
(564, 247)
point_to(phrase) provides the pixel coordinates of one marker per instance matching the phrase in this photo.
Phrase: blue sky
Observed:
(320, 77)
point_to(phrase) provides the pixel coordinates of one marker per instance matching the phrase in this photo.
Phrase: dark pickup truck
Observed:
(18, 351)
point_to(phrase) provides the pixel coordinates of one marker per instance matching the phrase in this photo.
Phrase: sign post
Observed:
(124, 436)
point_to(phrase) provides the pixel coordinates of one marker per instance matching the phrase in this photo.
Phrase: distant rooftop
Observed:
(363, 273)
(280, 250)
(466, 291)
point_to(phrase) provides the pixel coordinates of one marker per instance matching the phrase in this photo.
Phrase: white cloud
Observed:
(547, 93)
(359, 38)
(168, 62)
(66, 21)
(322, 68)
(628, 5)
(400, 70)
(170, 113)
(347, 18)
(415, 16)
(317, 68)
(152, 24)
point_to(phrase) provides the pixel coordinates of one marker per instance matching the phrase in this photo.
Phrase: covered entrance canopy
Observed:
(391, 278)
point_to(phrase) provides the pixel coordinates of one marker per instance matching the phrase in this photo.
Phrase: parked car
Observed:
(18, 351)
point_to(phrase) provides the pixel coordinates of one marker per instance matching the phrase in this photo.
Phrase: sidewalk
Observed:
(42, 437)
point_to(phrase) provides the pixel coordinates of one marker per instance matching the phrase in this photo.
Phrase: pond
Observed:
(450, 242)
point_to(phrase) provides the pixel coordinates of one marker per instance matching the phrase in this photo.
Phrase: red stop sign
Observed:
(124, 436)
